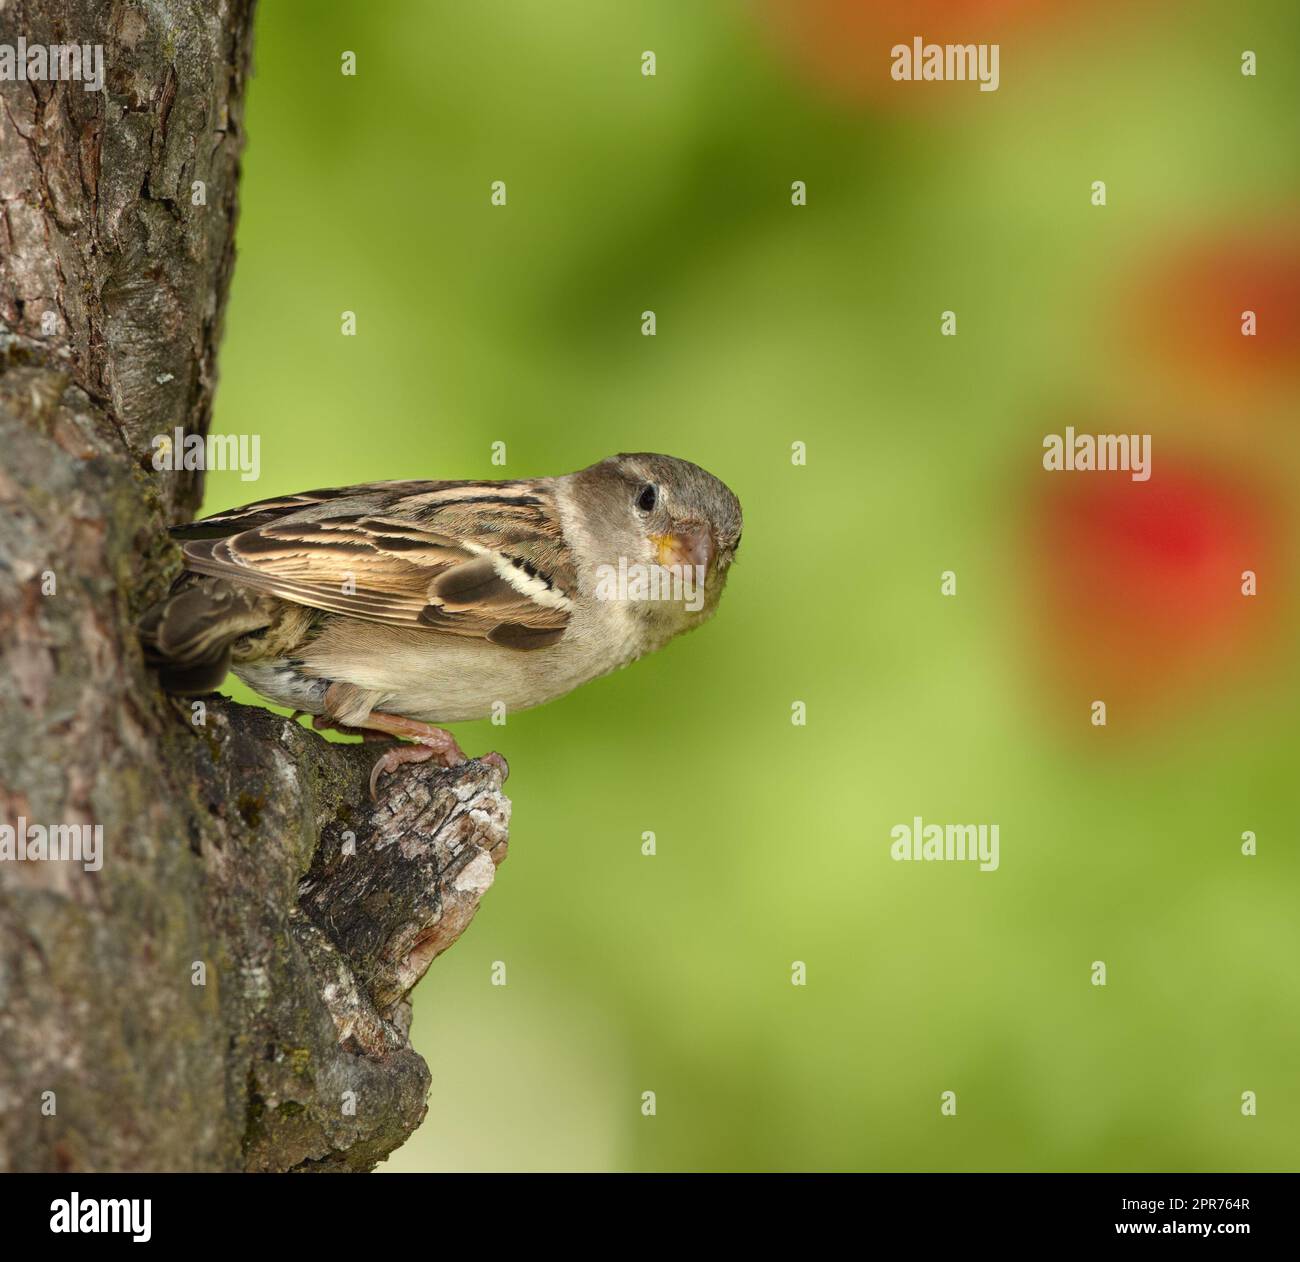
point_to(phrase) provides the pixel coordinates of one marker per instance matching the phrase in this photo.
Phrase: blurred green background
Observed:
(820, 324)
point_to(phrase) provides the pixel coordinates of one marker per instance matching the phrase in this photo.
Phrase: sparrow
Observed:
(392, 608)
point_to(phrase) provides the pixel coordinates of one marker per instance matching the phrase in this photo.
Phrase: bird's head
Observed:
(665, 532)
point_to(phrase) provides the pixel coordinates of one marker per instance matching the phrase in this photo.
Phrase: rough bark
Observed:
(231, 989)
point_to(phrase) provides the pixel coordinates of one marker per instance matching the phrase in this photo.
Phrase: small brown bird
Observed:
(394, 606)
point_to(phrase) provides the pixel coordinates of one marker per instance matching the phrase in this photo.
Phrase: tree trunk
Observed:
(227, 988)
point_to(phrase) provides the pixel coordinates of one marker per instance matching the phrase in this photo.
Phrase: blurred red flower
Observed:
(1141, 582)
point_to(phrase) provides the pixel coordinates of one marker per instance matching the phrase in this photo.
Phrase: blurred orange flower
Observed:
(1192, 316)
(842, 47)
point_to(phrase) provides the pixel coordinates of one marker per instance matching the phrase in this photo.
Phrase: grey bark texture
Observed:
(230, 991)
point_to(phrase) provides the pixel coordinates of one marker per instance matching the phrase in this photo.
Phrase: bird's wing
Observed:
(486, 560)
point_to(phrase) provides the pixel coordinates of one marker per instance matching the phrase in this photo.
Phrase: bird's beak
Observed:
(692, 545)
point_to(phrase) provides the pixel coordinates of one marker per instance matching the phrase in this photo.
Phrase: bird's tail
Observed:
(188, 636)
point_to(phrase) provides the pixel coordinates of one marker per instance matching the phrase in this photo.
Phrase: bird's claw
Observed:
(400, 755)
(396, 757)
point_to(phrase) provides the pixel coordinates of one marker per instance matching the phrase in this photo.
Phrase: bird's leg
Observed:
(322, 723)
(439, 740)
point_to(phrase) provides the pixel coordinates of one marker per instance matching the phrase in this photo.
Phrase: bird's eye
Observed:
(735, 547)
(648, 498)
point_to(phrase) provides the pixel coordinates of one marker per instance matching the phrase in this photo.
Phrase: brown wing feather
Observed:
(486, 560)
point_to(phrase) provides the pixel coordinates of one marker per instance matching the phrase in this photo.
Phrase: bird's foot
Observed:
(396, 757)
(427, 742)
